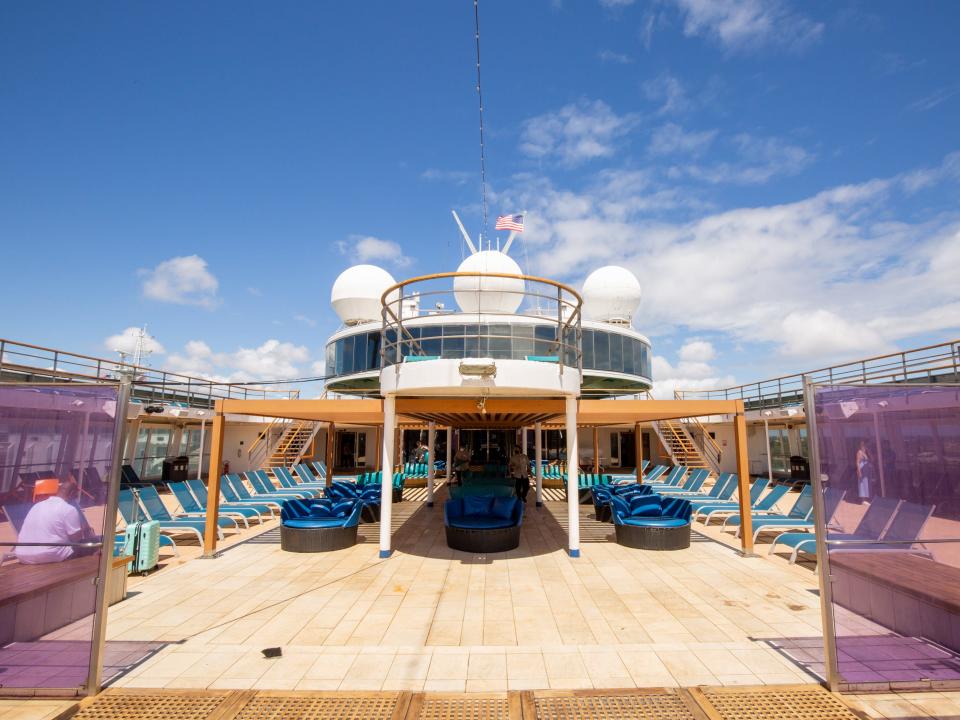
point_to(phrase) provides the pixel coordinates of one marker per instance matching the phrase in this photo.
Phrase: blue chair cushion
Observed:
(315, 522)
(481, 522)
(645, 521)
(476, 505)
(502, 507)
(646, 506)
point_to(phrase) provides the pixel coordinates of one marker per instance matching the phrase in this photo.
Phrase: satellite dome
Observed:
(611, 294)
(357, 291)
(496, 294)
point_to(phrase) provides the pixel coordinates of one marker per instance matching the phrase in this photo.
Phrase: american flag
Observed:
(510, 222)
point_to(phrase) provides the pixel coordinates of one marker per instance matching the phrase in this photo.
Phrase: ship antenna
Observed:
(483, 163)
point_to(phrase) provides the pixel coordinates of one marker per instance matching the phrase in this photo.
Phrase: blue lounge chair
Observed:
(757, 486)
(673, 478)
(261, 483)
(193, 508)
(874, 524)
(287, 481)
(722, 489)
(305, 476)
(199, 491)
(693, 483)
(764, 505)
(230, 494)
(655, 473)
(131, 510)
(244, 493)
(800, 516)
(321, 469)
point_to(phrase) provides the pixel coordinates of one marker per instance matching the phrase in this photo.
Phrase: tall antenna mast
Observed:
(483, 163)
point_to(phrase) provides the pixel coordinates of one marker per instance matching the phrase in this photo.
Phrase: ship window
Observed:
(616, 352)
(601, 349)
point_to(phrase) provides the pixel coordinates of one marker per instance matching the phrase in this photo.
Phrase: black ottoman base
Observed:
(306, 540)
(644, 537)
(603, 513)
(483, 541)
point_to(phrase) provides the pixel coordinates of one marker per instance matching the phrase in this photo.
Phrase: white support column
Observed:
(386, 487)
(449, 452)
(538, 455)
(766, 433)
(573, 480)
(431, 468)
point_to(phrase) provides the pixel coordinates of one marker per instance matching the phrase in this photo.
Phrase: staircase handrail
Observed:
(657, 429)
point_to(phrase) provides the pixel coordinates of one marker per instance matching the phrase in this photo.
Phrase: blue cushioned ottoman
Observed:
(479, 524)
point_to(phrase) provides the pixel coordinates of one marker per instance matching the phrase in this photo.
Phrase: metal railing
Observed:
(34, 363)
(930, 364)
(540, 299)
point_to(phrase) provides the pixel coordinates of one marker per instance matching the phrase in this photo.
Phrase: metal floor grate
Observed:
(320, 706)
(664, 705)
(152, 705)
(776, 703)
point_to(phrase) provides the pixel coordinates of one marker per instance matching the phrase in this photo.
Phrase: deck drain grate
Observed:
(661, 706)
(796, 703)
(152, 706)
(464, 709)
(319, 707)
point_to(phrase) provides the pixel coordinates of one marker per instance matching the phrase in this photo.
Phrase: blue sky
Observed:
(782, 177)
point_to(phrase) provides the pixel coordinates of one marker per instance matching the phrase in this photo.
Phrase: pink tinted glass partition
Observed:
(50, 436)
(892, 453)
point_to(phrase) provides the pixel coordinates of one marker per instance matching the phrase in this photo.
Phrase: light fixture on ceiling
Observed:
(482, 405)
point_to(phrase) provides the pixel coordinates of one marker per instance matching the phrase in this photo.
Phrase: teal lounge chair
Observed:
(765, 504)
(261, 484)
(286, 480)
(153, 505)
(190, 505)
(654, 474)
(726, 507)
(199, 491)
(800, 516)
(263, 506)
(305, 476)
(885, 519)
(722, 489)
(131, 511)
(694, 482)
(321, 469)
(243, 493)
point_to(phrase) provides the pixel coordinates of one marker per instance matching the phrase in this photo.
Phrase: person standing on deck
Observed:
(519, 468)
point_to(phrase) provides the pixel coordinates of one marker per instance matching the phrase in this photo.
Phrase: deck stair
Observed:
(292, 444)
(688, 443)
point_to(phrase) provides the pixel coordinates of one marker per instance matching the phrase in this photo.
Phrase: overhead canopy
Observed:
(493, 412)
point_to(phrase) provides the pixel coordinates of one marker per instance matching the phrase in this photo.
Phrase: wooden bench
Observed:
(38, 599)
(906, 592)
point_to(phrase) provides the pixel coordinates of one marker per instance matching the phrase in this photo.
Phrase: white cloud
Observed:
(306, 320)
(457, 177)
(181, 280)
(272, 360)
(126, 342)
(932, 100)
(668, 91)
(366, 248)
(616, 3)
(692, 372)
(319, 368)
(759, 159)
(743, 25)
(697, 351)
(614, 57)
(576, 133)
(829, 277)
(671, 138)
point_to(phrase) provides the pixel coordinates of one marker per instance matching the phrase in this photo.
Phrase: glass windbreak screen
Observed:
(890, 482)
(56, 455)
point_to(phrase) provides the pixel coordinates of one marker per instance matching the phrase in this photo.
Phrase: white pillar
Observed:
(449, 452)
(386, 488)
(573, 482)
(538, 456)
(203, 427)
(766, 433)
(431, 468)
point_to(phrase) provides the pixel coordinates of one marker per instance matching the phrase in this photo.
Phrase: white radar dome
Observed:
(356, 293)
(489, 294)
(611, 294)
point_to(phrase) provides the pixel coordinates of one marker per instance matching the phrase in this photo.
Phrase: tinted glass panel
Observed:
(601, 349)
(616, 352)
(589, 359)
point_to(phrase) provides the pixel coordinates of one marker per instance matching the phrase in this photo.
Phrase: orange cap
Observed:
(45, 488)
